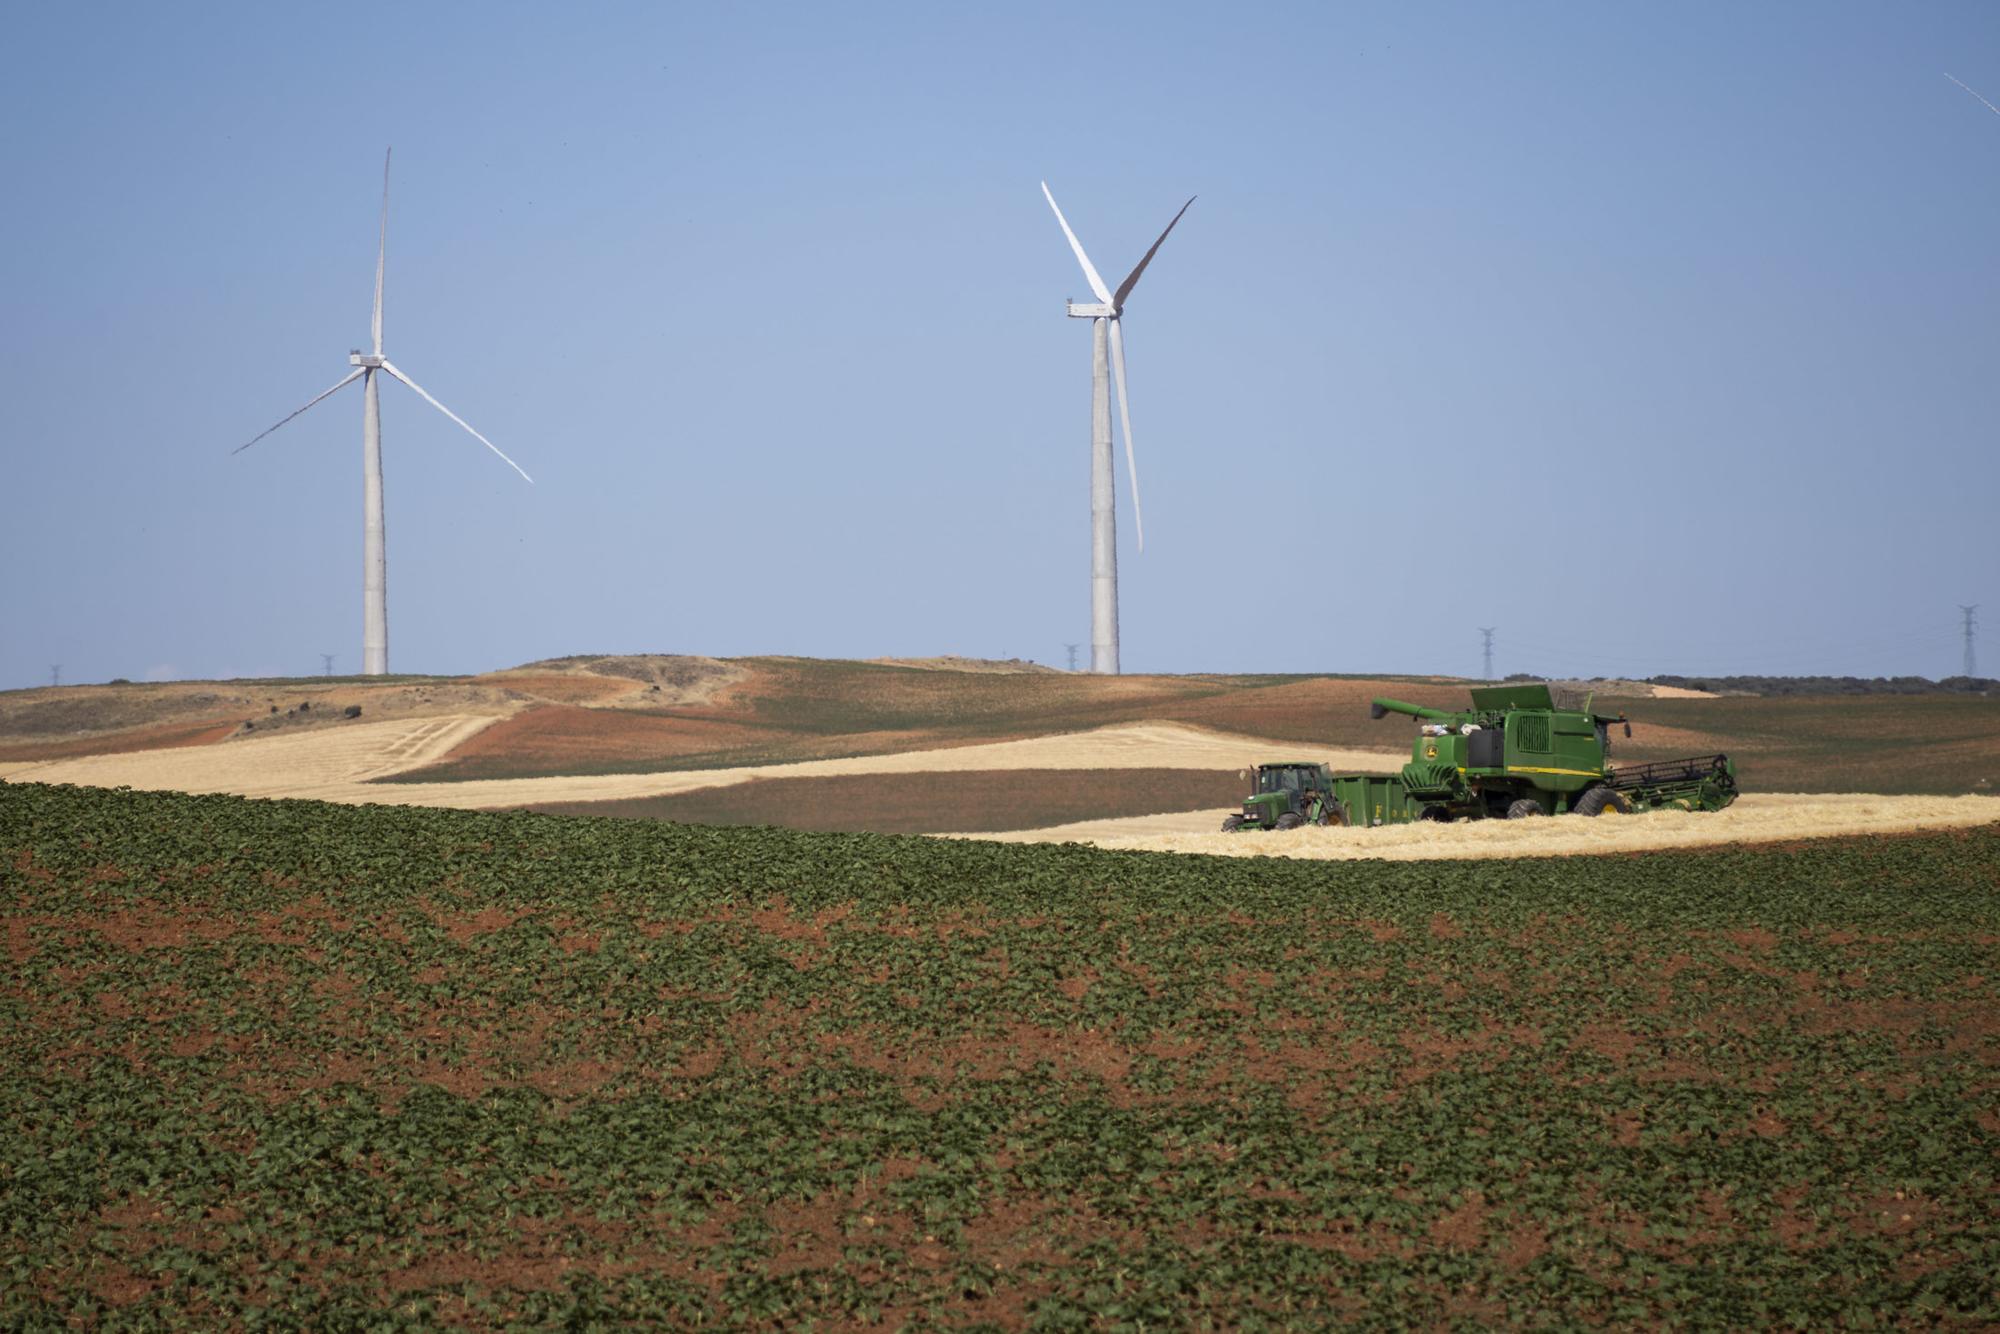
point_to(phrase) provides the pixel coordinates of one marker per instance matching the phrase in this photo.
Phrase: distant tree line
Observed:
(1817, 685)
(1831, 685)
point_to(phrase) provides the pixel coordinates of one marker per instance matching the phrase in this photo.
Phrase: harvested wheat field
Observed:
(331, 764)
(1758, 817)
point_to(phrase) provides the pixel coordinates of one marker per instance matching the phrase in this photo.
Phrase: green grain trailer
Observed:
(1287, 796)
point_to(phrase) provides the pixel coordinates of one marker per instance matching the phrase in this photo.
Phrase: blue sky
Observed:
(1663, 338)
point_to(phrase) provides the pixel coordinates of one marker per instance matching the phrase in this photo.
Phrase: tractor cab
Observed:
(1285, 796)
(1290, 778)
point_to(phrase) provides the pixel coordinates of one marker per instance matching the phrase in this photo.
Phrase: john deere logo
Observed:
(1430, 750)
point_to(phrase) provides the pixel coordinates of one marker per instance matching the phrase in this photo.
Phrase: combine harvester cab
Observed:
(1515, 754)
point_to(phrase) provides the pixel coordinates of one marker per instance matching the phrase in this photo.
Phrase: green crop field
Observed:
(302, 1064)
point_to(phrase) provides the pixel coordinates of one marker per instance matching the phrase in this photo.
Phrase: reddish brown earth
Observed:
(164, 737)
(551, 737)
(922, 803)
(564, 687)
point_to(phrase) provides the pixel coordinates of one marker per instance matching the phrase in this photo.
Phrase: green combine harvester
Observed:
(1513, 755)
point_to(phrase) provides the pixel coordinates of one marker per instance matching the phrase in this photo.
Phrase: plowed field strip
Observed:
(921, 803)
(163, 737)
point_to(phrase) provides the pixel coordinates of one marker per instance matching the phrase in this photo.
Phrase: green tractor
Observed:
(1515, 754)
(1287, 796)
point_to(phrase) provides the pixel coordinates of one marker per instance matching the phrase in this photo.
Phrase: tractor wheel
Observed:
(1291, 820)
(1231, 823)
(1335, 814)
(1525, 808)
(1599, 800)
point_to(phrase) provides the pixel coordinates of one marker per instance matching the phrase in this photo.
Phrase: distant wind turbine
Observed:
(1105, 333)
(1982, 101)
(374, 557)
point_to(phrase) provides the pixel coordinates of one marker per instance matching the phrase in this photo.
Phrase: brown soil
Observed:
(164, 736)
(1326, 711)
(919, 803)
(564, 688)
(553, 737)
(1003, 667)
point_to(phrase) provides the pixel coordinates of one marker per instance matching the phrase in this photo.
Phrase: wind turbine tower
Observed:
(368, 367)
(1971, 660)
(1107, 351)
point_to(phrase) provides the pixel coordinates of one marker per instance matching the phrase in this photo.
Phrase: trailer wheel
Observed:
(1597, 800)
(1291, 820)
(1525, 808)
(1231, 823)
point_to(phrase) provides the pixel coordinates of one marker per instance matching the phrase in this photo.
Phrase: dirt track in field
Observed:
(1760, 817)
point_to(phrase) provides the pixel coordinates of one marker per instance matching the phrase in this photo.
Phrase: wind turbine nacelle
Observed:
(1092, 311)
(367, 361)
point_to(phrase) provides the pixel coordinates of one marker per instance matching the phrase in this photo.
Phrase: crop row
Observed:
(329, 1064)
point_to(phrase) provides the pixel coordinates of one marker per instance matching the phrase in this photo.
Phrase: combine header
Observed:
(1514, 754)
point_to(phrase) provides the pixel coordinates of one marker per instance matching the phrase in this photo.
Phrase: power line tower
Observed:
(1072, 654)
(326, 664)
(1971, 661)
(55, 673)
(1487, 632)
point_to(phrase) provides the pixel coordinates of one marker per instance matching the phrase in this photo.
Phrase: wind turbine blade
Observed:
(1125, 424)
(351, 378)
(1089, 272)
(381, 249)
(1988, 105)
(455, 417)
(1132, 278)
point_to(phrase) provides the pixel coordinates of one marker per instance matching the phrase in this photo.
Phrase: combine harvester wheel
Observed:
(1602, 801)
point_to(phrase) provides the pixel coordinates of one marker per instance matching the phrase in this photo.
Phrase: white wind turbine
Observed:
(1983, 102)
(1104, 317)
(374, 556)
